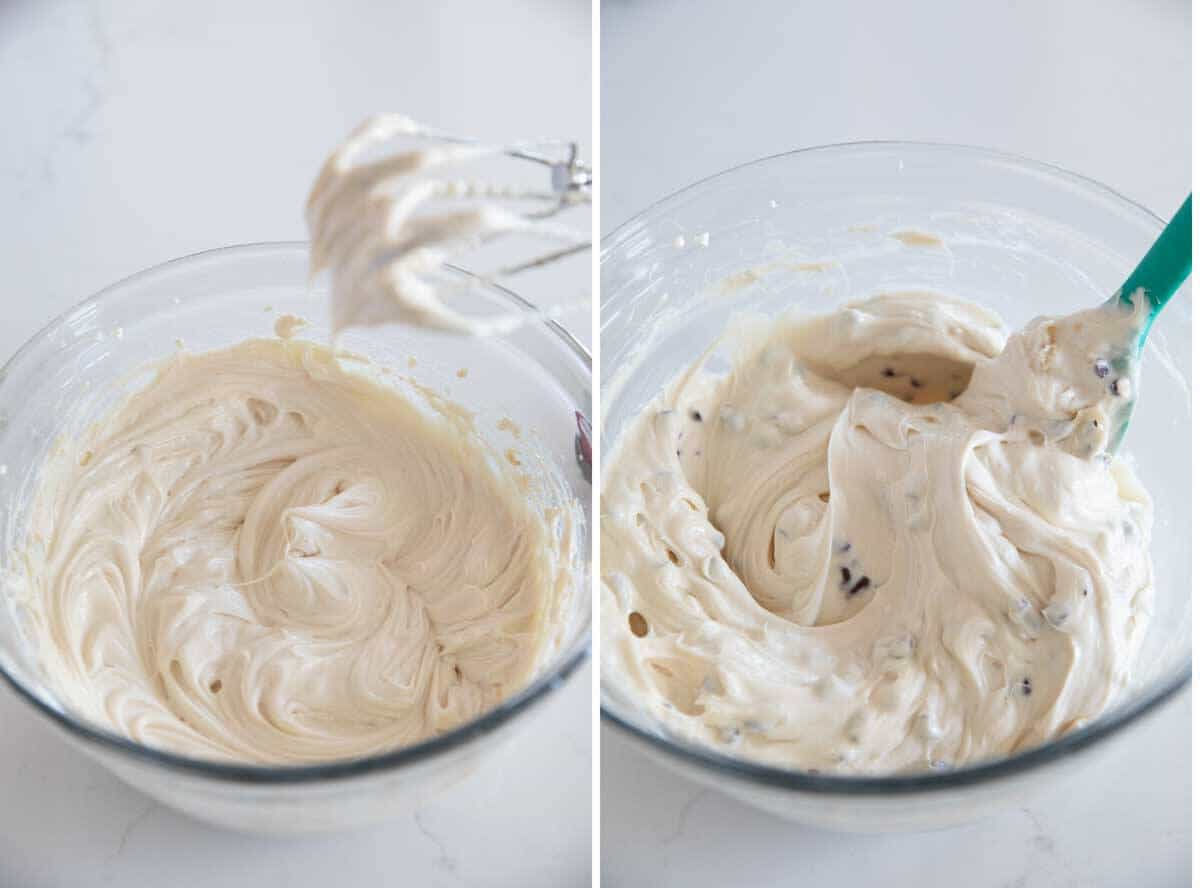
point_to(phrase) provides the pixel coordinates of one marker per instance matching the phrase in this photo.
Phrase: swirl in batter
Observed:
(265, 557)
(885, 541)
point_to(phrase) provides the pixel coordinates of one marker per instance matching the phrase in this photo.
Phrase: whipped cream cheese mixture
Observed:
(263, 556)
(267, 557)
(887, 540)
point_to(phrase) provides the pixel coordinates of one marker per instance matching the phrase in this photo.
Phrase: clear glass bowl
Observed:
(1020, 237)
(539, 377)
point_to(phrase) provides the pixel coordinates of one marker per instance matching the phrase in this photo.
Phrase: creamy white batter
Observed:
(886, 540)
(385, 227)
(265, 557)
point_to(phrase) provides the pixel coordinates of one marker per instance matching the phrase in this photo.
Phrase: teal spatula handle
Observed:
(1166, 266)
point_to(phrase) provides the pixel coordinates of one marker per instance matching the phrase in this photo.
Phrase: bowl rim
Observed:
(836, 785)
(618, 234)
(564, 665)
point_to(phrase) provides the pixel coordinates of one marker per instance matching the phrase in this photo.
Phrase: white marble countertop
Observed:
(524, 819)
(1124, 823)
(692, 87)
(136, 132)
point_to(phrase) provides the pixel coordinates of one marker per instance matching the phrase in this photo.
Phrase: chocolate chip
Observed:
(1115, 387)
(638, 625)
(889, 372)
(679, 453)
(845, 575)
(1101, 367)
(915, 383)
(1026, 686)
(696, 416)
(863, 583)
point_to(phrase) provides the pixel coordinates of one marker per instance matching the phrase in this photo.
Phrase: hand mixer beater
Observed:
(386, 225)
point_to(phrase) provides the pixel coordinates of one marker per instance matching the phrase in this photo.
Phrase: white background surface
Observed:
(1102, 87)
(136, 132)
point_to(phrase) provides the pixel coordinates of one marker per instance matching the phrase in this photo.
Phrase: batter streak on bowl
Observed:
(886, 540)
(265, 557)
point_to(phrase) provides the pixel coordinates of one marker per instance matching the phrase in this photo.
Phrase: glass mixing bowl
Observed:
(95, 354)
(1020, 237)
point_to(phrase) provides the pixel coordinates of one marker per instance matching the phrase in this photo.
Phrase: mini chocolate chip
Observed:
(1085, 591)
(638, 625)
(1027, 686)
(844, 547)
(863, 583)
(845, 575)
(915, 383)
(1101, 367)
(1095, 423)
(679, 453)
(696, 416)
(889, 372)
(1115, 387)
